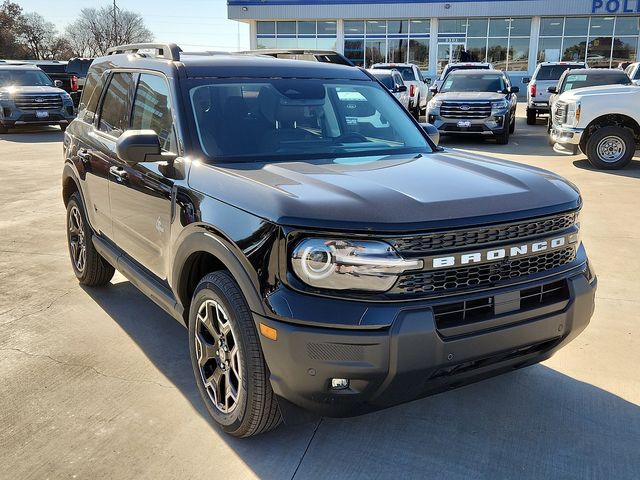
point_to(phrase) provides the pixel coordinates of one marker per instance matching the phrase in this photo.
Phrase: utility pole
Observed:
(115, 24)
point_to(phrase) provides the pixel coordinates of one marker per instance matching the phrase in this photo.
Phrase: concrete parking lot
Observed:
(97, 383)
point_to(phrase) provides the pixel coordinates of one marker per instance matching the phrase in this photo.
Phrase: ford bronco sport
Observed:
(323, 253)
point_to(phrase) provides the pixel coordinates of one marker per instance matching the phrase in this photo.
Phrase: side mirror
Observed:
(526, 80)
(432, 131)
(427, 81)
(515, 89)
(57, 83)
(434, 89)
(136, 146)
(400, 88)
(552, 89)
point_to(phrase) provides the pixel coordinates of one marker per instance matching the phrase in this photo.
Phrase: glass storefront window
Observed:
(420, 27)
(376, 27)
(307, 43)
(286, 42)
(599, 52)
(397, 51)
(326, 43)
(601, 26)
(397, 27)
(627, 26)
(499, 27)
(354, 51)
(419, 52)
(375, 50)
(306, 28)
(327, 28)
(477, 48)
(266, 28)
(549, 49)
(267, 42)
(574, 49)
(353, 28)
(518, 55)
(497, 52)
(286, 28)
(477, 27)
(551, 27)
(520, 27)
(575, 27)
(625, 49)
(454, 25)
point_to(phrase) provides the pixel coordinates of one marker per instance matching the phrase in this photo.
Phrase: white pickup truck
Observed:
(604, 122)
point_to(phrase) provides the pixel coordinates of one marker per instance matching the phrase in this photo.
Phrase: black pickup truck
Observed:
(325, 255)
(57, 70)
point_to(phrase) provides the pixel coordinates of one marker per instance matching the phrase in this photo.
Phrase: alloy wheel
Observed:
(611, 149)
(218, 356)
(77, 241)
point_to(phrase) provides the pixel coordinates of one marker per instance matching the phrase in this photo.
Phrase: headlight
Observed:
(66, 97)
(574, 111)
(349, 265)
(5, 95)
(434, 103)
(499, 105)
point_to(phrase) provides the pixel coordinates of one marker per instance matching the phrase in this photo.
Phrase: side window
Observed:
(90, 96)
(114, 116)
(152, 110)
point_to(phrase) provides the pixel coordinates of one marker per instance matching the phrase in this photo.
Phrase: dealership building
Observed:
(514, 35)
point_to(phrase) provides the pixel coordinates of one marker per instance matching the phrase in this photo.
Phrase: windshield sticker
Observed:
(576, 78)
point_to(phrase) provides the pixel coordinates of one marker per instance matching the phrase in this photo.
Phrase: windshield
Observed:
(464, 67)
(474, 83)
(574, 81)
(406, 72)
(554, 72)
(276, 119)
(24, 78)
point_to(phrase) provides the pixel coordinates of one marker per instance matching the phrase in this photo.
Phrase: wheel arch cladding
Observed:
(201, 253)
(617, 119)
(70, 184)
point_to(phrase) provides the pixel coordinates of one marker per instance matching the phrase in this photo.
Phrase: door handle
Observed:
(84, 155)
(118, 172)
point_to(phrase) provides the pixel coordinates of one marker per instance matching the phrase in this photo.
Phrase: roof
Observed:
(391, 65)
(469, 64)
(18, 66)
(459, 73)
(606, 71)
(577, 62)
(382, 71)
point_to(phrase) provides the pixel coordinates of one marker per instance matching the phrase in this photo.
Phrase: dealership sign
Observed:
(615, 6)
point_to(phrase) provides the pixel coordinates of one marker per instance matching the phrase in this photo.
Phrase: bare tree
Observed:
(96, 30)
(10, 14)
(36, 33)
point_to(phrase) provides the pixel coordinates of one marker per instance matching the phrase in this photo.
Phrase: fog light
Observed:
(339, 383)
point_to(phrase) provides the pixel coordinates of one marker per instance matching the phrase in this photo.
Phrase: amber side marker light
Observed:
(269, 332)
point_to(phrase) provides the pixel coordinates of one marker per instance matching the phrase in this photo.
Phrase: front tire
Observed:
(227, 360)
(503, 138)
(63, 126)
(90, 267)
(611, 148)
(4, 129)
(512, 126)
(416, 110)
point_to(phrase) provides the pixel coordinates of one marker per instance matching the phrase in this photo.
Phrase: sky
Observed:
(192, 24)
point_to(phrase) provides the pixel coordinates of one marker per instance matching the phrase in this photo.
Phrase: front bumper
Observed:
(493, 125)
(566, 135)
(10, 116)
(412, 358)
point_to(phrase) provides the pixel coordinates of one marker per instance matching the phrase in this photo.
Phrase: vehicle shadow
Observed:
(46, 134)
(632, 170)
(534, 423)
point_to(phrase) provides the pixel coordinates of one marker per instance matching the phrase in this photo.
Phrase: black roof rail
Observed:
(170, 51)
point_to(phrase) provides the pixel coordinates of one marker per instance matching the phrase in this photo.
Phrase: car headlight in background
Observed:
(434, 104)
(66, 98)
(574, 109)
(499, 105)
(335, 264)
(5, 95)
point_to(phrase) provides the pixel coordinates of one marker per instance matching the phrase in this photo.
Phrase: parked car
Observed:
(633, 71)
(545, 75)
(57, 70)
(475, 102)
(393, 81)
(413, 79)
(323, 56)
(322, 260)
(581, 78)
(79, 67)
(28, 97)
(452, 67)
(603, 122)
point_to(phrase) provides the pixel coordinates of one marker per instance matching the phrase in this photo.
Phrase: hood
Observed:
(31, 89)
(398, 193)
(470, 96)
(600, 90)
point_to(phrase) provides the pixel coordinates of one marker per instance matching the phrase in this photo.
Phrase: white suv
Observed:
(633, 71)
(418, 88)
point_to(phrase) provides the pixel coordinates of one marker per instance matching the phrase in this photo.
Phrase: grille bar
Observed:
(38, 102)
(465, 110)
(561, 113)
(440, 241)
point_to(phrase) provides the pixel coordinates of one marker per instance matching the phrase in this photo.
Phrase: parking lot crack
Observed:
(304, 454)
(86, 367)
(39, 310)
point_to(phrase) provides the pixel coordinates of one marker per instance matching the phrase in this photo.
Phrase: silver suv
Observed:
(546, 75)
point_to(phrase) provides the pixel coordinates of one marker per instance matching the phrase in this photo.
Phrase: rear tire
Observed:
(227, 359)
(416, 109)
(531, 117)
(4, 129)
(90, 267)
(63, 126)
(611, 148)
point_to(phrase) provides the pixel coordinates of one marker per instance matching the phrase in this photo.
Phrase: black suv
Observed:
(324, 254)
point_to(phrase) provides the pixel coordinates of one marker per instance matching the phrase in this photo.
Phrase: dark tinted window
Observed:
(553, 72)
(79, 66)
(53, 68)
(152, 110)
(114, 117)
(385, 79)
(474, 83)
(582, 80)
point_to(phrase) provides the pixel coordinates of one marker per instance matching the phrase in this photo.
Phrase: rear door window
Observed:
(116, 104)
(553, 72)
(152, 110)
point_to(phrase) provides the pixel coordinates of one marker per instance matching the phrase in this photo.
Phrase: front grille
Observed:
(38, 102)
(458, 279)
(471, 129)
(440, 241)
(468, 312)
(560, 114)
(465, 110)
